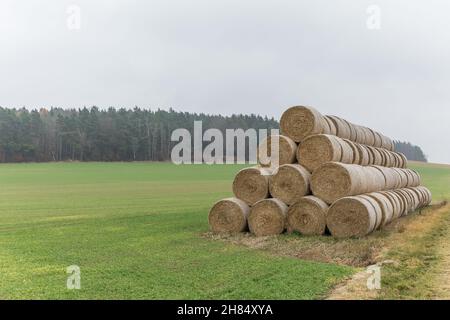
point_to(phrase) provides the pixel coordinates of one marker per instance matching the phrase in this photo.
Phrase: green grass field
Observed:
(135, 230)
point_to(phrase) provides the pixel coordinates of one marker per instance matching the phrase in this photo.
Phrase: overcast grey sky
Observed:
(229, 56)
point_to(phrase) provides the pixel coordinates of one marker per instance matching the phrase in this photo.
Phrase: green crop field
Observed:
(135, 230)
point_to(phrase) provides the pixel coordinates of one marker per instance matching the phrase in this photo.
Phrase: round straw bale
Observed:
(416, 177)
(426, 199)
(390, 158)
(326, 126)
(409, 200)
(404, 162)
(333, 129)
(298, 122)
(402, 176)
(399, 202)
(289, 183)
(377, 156)
(355, 151)
(342, 128)
(252, 184)
(378, 210)
(390, 181)
(395, 203)
(370, 137)
(307, 216)
(375, 179)
(420, 194)
(286, 150)
(415, 196)
(363, 154)
(428, 195)
(229, 215)
(353, 133)
(410, 178)
(370, 154)
(401, 161)
(423, 196)
(378, 140)
(334, 180)
(387, 143)
(347, 155)
(397, 177)
(387, 209)
(397, 160)
(267, 217)
(318, 149)
(384, 157)
(403, 201)
(383, 141)
(351, 217)
(360, 134)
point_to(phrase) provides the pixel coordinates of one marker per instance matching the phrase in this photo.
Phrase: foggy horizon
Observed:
(230, 57)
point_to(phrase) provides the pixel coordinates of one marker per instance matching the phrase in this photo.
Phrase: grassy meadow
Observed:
(136, 231)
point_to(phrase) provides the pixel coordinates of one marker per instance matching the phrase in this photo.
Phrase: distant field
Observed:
(436, 177)
(135, 230)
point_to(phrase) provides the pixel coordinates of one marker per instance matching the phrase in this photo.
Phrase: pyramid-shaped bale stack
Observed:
(332, 175)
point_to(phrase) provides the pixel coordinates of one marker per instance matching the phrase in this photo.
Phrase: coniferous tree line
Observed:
(91, 134)
(411, 151)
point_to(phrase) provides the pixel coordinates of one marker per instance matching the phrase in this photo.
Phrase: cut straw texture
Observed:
(289, 183)
(307, 216)
(267, 217)
(229, 215)
(287, 149)
(299, 122)
(252, 184)
(318, 149)
(334, 180)
(357, 216)
(328, 174)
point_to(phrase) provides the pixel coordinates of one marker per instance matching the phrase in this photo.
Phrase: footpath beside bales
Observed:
(333, 177)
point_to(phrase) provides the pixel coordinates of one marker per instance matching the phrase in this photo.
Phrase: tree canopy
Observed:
(92, 134)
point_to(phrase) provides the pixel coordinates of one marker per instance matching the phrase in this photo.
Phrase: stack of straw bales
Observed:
(332, 176)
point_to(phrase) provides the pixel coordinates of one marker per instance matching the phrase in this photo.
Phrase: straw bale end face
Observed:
(286, 150)
(318, 149)
(299, 122)
(267, 217)
(351, 217)
(229, 216)
(289, 183)
(307, 216)
(252, 184)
